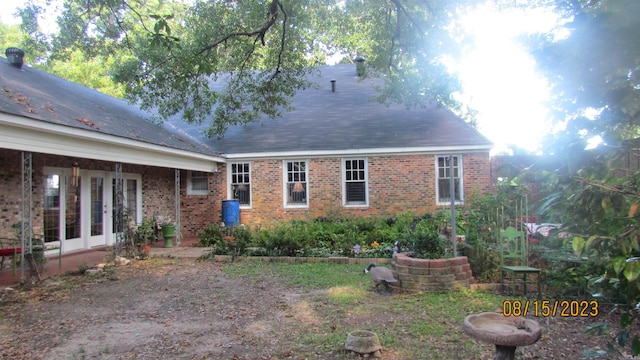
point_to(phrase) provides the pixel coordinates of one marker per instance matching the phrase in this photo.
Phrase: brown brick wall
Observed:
(198, 211)
(477, 174)
(396, 184)
(10, 193)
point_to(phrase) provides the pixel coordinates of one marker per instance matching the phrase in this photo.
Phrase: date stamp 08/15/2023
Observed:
(551, 308)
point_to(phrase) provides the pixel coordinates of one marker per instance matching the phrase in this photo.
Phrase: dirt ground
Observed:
(184, 309)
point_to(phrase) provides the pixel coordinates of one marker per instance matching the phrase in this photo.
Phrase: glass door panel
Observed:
(98, 208)
(51, 214)
(73, 211)
(97, 204)
(130, 202)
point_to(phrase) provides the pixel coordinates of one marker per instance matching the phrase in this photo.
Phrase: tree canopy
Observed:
(171, 56)
(597, 93)
(596, 192)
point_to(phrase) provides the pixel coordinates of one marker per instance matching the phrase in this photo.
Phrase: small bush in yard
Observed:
(225, 240)
(287, 239)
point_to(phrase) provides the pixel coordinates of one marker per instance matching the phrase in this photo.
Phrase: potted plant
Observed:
(143, 235)
(168, 230)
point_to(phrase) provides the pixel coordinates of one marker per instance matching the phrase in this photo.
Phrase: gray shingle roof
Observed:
(345, 120)
(323, 121)
(41, 96)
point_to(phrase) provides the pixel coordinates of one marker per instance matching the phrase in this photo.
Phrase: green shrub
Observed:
(225, 240)
(425, 244)
(484, 262)
(286, 239)
(422, 236)
(145, 233)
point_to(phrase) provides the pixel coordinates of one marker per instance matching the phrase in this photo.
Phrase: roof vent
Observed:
(15, 56)
(360, 70)
(333, 86)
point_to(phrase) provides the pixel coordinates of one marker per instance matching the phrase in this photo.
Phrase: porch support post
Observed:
(119, 211)
(26, 205)
(452, 192)
(177, 208)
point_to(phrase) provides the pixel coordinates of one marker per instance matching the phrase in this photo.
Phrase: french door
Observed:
(78, 210)
(98, 224)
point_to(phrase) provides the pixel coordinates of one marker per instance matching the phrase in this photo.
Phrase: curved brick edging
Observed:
(300, 259)
(439, 275)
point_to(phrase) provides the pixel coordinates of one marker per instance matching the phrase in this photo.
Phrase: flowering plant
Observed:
(375, 249)
(162, 220)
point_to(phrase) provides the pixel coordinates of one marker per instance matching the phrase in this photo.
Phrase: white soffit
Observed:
(54, 139)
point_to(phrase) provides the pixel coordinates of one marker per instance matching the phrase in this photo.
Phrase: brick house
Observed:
(337, 151)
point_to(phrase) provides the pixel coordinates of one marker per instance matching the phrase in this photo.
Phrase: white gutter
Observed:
(361, 152)
(24, 134)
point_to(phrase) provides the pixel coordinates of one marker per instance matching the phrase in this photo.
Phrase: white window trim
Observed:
(284, 185)
(344, 182)
(190, 190)
(460, 174)
(229, 183)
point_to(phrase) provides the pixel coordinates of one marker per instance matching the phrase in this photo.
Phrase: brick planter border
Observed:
(295, 259)
(438, 275)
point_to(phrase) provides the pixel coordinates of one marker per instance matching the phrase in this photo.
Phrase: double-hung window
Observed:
(355, 181)
(198, 183)
(444, 179)
(296, 183)
(241, 182)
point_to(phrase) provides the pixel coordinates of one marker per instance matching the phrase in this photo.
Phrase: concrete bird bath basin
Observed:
(364, 343)
(505, 332)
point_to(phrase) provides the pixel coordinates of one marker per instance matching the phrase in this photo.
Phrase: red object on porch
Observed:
(10, 252)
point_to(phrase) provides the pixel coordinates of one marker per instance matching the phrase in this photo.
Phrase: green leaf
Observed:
(623, 338)
(635, 346)
(590, 243)
(597, 328)
(578, 245)
(618, 264)
(632, 270)
(625, 320)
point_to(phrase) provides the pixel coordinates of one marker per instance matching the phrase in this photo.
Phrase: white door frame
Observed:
(86, 241)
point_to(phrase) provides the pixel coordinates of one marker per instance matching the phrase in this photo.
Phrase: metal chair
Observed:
(12, 248)
(513, 260)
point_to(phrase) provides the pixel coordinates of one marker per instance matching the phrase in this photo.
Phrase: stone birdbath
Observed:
(364, 343)
(505, 332)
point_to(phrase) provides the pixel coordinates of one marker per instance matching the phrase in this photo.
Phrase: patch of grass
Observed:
(421, 328)
(409, 326)
(321, 275)
(346, 294)
(82, 268)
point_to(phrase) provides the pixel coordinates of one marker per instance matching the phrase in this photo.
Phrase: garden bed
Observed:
(302, 259)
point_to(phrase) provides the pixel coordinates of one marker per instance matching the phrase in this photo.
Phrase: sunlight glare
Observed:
(499, 76)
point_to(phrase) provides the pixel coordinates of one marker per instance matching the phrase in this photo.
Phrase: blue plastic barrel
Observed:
(231, 212)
